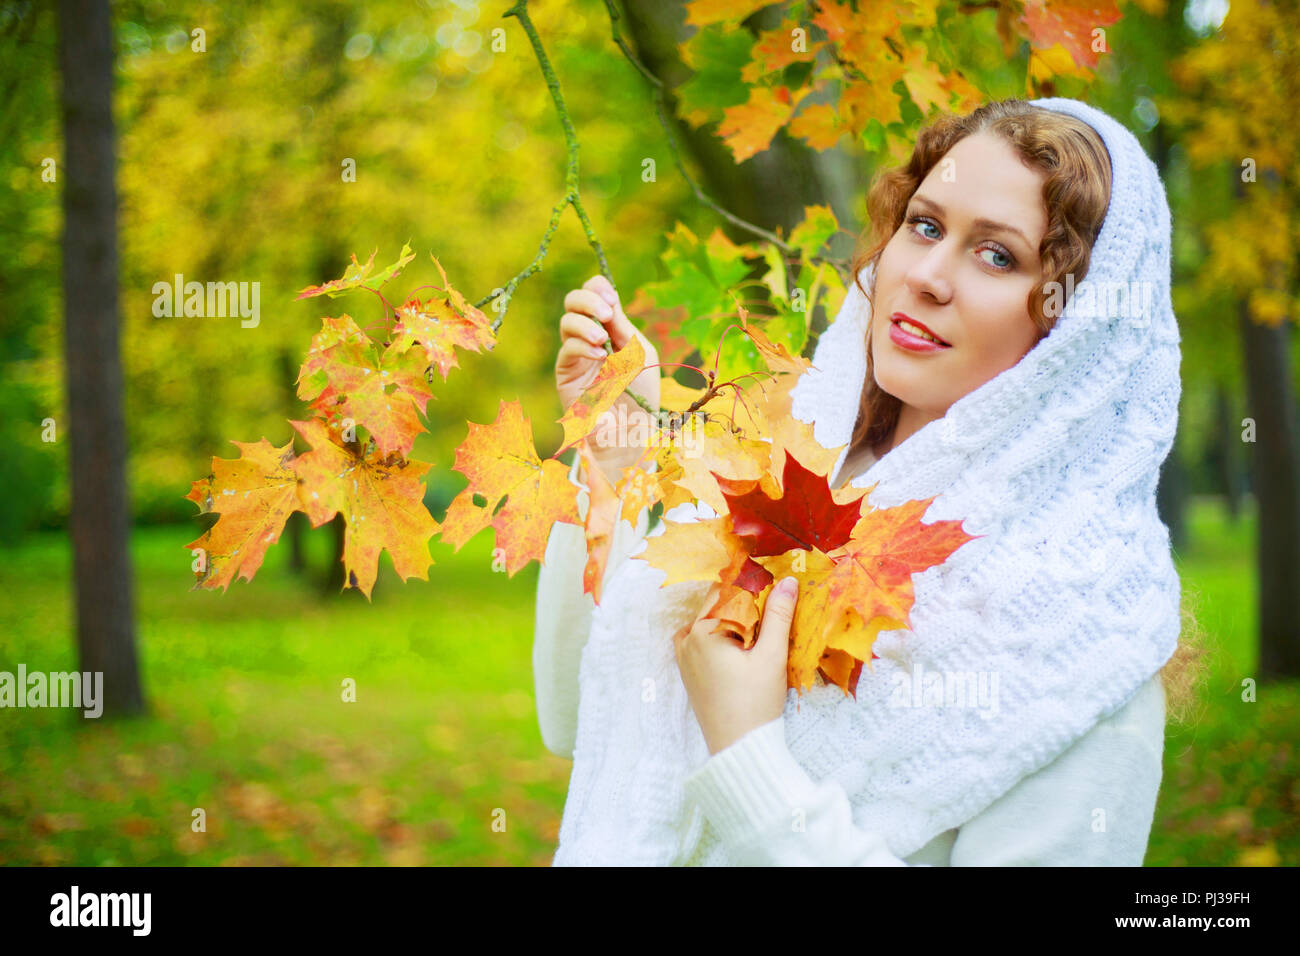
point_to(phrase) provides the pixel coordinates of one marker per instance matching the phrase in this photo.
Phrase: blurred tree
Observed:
(100, 523)
(1232, 88)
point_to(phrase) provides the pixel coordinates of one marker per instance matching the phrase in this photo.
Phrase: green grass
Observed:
(1231, 789)
(248, 721)
(248, 724)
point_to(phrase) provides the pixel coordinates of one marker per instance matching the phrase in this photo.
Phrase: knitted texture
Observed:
(1070, 597)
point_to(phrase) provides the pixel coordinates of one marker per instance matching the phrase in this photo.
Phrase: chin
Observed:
(904, 384)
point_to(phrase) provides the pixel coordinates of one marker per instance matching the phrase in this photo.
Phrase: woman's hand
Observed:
(733, 690)
(595, 316)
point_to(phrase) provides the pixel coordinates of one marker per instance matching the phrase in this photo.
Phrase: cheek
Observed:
(1001, 338)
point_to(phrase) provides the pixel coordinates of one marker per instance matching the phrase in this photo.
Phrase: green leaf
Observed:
(717, 55)
(357, 276)
(775, 278)
(818, 225)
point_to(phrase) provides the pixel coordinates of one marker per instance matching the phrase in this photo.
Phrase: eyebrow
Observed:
(979, 223)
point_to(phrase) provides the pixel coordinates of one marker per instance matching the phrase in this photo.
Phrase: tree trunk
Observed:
(1171, 496)
(1276, 480)
(1171, 490)
(99, 524)
(1275, 454)
(297, 521)
(1224, 457)
(332, 583)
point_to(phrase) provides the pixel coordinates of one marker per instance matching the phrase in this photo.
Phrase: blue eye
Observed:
(999, 252)
(995, 249)
(926, 222)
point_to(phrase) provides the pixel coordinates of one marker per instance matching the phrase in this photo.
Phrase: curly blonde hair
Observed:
(1076, 193)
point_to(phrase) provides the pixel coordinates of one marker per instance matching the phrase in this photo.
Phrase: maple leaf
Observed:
(774, 416)
(859, 39)
(602, 513)
(886, 548)
(357, 276)
(501, 463)
(254, 496)
(806, 516)
(812, 232)
(380, 497)
(777, 357)
(345, 376)
(638, 489)
(865, 101)
(690, 550)
(442, 324)
(773, 51)
(748, 128)
(818, 125)
(867, 579)
(1045, 65)
(854, 569)
(924, 80)
(1069, 23)
(848, 647)
(616, 373)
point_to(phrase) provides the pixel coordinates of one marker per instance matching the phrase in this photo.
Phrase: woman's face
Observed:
(967, 282)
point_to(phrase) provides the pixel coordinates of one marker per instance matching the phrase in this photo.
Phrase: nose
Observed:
(926, 276)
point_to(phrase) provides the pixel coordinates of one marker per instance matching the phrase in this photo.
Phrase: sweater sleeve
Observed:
(1091, 806)
(563, 618)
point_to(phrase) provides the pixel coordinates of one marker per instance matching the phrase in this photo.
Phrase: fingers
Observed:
(600, 285)
(577, 349)
(574, 325)
(585, 301)
(778, 613)
(606, 298)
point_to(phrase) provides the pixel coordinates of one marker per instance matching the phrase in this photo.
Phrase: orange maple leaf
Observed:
(442, 324)
(380, 497)
(346, 377)
(501, 463)
(854, 569)
(925, 82)
(748, 128)
(254, 496)
(1069, 23)
(616, 373)
(603, 510)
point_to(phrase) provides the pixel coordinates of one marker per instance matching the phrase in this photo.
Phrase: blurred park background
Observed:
(227, 169)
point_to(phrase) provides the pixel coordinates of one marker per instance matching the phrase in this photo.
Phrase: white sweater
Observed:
(1093, 805)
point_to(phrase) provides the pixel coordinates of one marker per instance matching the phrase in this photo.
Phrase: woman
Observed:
(1021, 720)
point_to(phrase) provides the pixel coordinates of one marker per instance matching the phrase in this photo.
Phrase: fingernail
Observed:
(787, 586)
(609, 296)
(597, 353)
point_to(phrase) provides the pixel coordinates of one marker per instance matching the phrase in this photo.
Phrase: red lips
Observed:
(903, 315)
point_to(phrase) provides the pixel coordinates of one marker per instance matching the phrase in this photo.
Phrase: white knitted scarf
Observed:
(1071, 597)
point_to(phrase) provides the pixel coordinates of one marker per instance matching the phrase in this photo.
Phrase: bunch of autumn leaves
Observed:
(757, 467)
